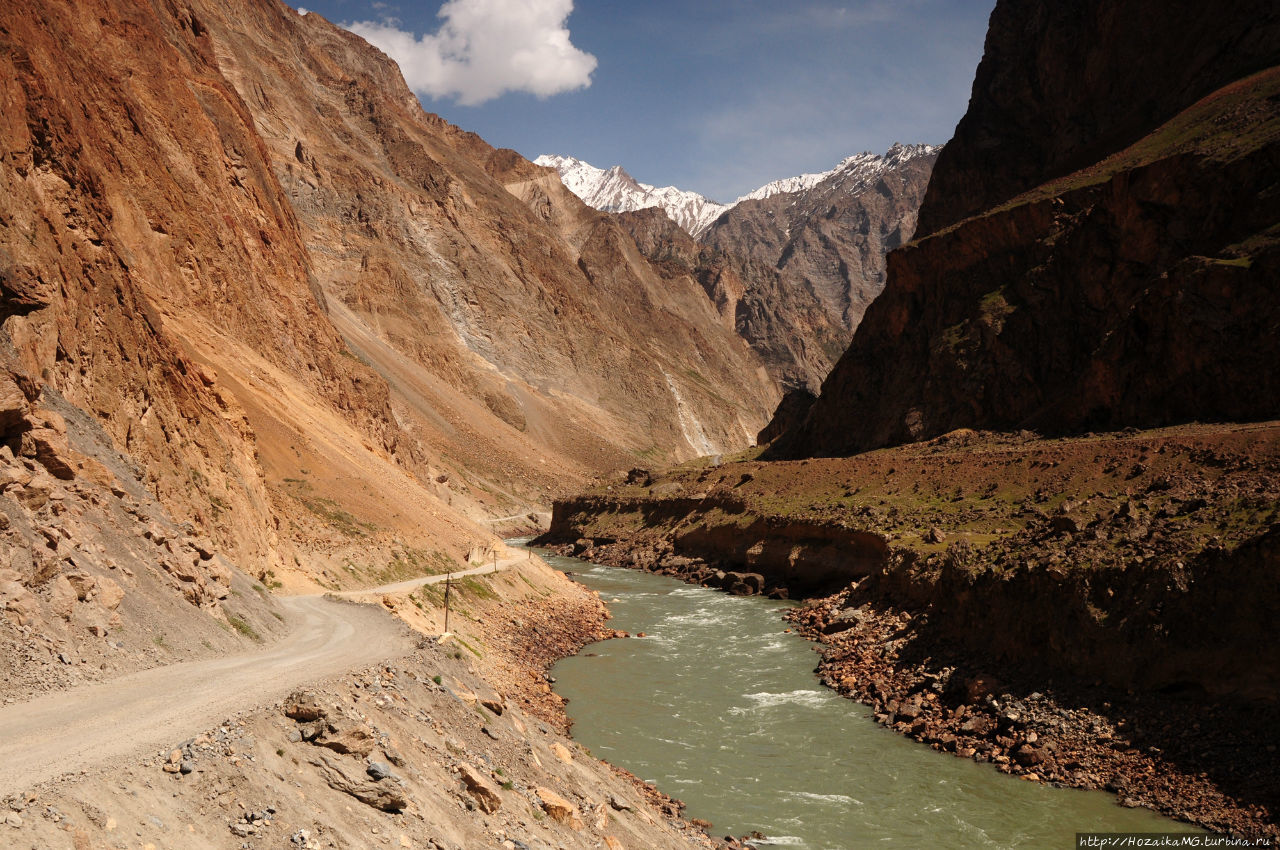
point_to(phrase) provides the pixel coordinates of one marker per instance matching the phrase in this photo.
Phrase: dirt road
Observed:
(158, 708)
(415, 583)
(147, 711)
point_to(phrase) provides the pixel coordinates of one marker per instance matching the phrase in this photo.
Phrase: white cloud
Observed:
(485, 48)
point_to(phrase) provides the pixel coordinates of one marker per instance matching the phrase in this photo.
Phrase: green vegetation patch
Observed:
(242, 626)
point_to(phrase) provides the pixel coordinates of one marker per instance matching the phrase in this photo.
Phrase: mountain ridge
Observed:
(615, 190)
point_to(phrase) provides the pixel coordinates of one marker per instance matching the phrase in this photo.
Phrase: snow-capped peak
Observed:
(853, 172)
(614, 190)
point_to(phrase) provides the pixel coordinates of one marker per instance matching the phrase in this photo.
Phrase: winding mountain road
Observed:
(146, 711)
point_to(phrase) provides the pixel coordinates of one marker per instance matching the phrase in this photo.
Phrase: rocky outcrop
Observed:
(715, 540)
(790, 412)
(1134, 292)
(1058, 89)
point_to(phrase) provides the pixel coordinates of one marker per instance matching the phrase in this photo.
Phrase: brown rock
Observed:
(46, 441)
(13, 405)
(978, 688)
(110, 594)
(345, 736)
(385, 794)
(14, 474)
(85, 585)
(62, 597)
(478, 786)
(304, 706)
(19, 605)
(910, 708)
(1029, 755)
(559, 809)
(35, 494)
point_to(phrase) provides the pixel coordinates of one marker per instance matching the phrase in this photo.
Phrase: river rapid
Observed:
(719, 707)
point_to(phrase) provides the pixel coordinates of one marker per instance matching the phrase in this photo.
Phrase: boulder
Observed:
(909, 709)
(46, 441)
(14, 474)
(85, 585)
(110, 594)
(13, 405)
(304, 706)
(978, 687)
(62, 597)
(1029, 755)
(379, 770)
(35, 494)
(387, 794)
(346, 736)
(1064, 524)
(559, 809)
(18, 604)
(479, 787)
(845, 619)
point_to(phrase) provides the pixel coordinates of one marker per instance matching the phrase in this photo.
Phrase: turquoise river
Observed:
(719, 707)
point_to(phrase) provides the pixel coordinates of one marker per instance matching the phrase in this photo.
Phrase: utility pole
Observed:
(447, 579)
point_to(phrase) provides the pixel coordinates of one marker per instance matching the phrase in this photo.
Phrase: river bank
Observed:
(1088, 612)
(717, 702)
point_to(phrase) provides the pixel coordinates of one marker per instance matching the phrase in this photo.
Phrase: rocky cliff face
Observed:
(1063, 86)
(423, 252)
(794, 271)
(1137, 290)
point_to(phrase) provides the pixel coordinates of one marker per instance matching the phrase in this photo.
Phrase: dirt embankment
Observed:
(1093, 612)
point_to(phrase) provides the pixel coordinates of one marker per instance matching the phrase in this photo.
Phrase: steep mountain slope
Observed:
(832, 236)
(459, 293)
(779, 318)
(261, 313)
(1138, 290)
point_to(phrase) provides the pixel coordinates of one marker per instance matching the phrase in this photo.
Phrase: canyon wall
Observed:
(264, 315)
(1134, 288)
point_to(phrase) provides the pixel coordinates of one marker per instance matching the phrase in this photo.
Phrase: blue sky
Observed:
(717, 96)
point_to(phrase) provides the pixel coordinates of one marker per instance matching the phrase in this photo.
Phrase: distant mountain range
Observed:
(614, 190)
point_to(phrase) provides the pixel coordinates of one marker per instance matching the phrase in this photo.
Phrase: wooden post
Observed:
(447, 579)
